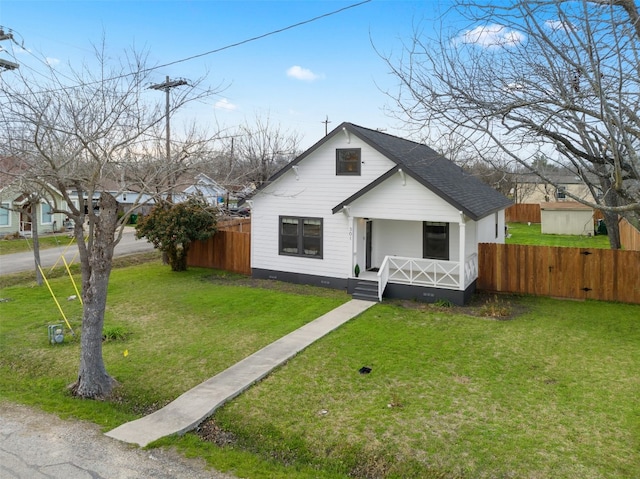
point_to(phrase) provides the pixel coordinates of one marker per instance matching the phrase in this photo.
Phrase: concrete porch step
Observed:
(366, 290)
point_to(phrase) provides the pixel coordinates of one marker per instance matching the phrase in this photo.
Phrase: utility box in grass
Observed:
(566, 218)
(56, 334)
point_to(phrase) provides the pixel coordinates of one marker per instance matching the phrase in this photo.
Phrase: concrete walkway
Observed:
(190, 409)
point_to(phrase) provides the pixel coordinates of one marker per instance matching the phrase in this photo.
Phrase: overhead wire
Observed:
(217, 50)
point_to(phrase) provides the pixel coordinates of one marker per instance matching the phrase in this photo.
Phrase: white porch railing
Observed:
(25, 229)
(426, 272)
(470, 269)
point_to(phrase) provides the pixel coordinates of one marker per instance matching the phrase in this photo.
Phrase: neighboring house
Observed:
(409, 219)
(566, 218)
(212, 192)
(17, 211)
(530, 188)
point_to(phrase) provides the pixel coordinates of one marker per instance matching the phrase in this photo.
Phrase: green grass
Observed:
(523, 233)
(551, 392)
(21, 245)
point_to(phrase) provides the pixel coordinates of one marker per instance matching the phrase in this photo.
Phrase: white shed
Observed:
(566, 218)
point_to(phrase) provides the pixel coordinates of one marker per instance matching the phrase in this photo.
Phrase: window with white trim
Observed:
(300, 236)
(5, 218)
(46, 214)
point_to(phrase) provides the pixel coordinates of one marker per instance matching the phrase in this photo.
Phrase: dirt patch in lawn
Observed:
(482, 305)
(210, 431)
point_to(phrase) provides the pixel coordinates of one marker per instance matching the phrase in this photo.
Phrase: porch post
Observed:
(353, 235)
(462, 247)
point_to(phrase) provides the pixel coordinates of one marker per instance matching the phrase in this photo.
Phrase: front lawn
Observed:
(549, 392)
(524, 233)
(10, 245)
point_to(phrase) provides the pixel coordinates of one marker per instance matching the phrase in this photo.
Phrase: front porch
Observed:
(419, 279)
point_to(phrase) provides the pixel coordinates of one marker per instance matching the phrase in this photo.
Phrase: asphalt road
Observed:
(14, 263)
(37, 445)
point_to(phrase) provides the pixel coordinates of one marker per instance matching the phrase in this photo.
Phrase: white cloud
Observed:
(300, 73)
(492, 36)
(52, 61)
(225, 104)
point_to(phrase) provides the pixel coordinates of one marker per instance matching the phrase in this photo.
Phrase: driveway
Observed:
(16, 262)
(37, 445)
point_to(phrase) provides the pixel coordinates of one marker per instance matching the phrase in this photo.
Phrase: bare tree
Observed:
(89, 135)
(529, 77)
(258, 150)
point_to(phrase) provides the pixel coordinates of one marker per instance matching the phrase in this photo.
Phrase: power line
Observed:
(264, 35)
(226, 47)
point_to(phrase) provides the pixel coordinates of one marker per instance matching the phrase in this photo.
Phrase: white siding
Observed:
(396, 238)
(408, 200)
(487, 229)
(567, 222)
(314, 193)
(397, 207)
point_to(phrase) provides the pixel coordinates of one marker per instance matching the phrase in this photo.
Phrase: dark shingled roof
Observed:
(440, 175)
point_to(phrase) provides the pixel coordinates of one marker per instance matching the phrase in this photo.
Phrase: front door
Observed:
(25, 218)
(368, 244)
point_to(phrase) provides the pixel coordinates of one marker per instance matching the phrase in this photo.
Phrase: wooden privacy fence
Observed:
(629, 236)
(226, 250)
(523, 213)
(235, 224)
(578, 273)
(530, 213)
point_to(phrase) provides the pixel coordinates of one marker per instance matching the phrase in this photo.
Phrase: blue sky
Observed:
(324, 68)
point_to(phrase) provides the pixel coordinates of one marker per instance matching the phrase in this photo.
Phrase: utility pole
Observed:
(6, 64)
(326, 125)
(167, 86)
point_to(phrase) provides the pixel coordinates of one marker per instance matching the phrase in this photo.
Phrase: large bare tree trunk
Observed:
(611, 219)
(93, 379)
(35, 236)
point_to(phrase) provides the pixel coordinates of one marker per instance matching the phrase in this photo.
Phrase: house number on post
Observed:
(350, 232)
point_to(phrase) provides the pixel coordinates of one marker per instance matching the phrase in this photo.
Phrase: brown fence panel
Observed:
(235, 224)
(226, 250)
(629, 236)
(579, 273)
(523, 213)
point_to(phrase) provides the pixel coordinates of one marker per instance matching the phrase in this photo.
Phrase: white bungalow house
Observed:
(18, 211)
(404, 217)
(211, 191)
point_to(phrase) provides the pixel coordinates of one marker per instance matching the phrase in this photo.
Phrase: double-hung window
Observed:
(46, 214)
(4, 214)
(301, 236)
(348, 161)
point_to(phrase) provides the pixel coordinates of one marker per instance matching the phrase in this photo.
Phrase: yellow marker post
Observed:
(56, 301)
(75, 287)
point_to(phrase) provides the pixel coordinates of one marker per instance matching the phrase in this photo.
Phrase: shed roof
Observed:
(565, 205)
